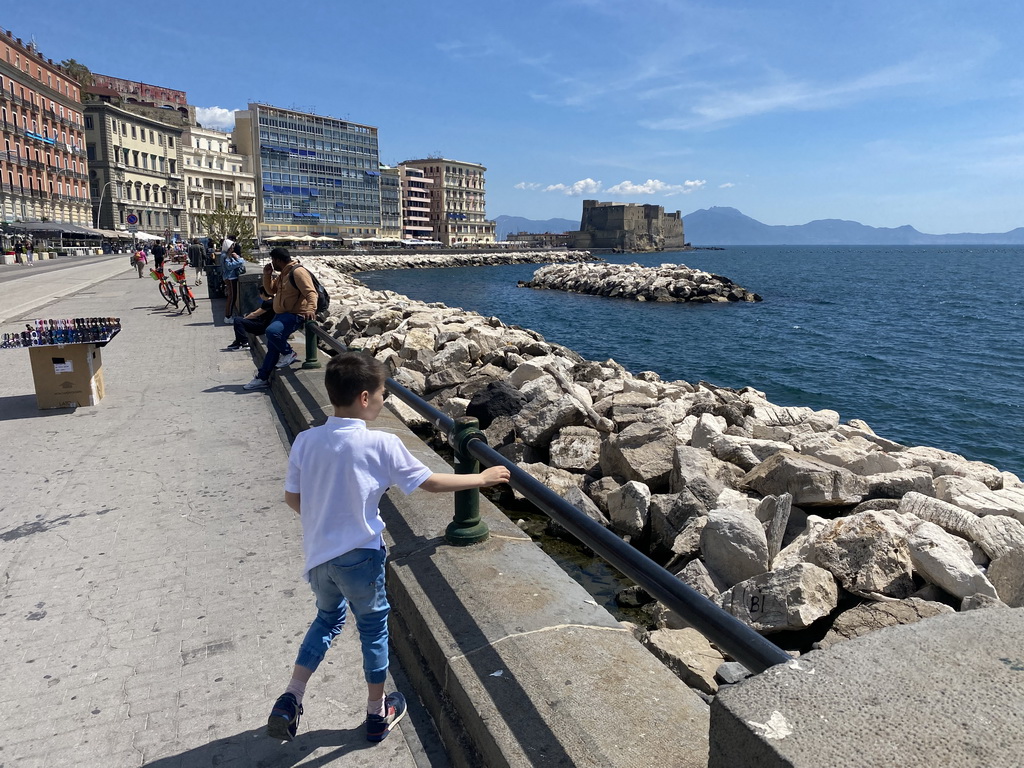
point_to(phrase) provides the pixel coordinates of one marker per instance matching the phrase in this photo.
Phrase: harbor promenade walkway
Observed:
(151, 599)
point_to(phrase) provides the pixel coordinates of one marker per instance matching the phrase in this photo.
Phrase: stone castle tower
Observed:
(629, 227)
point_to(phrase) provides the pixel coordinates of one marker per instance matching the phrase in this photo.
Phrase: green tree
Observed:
(222, 222)
(78, 71)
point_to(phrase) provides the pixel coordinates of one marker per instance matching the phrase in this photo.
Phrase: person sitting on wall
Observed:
(255, 322)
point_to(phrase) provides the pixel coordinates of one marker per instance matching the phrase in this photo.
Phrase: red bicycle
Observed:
(166, 286)
(183, 288)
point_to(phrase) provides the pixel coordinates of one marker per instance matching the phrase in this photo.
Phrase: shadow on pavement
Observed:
(231, 389)
(24, 407)
(253, 748)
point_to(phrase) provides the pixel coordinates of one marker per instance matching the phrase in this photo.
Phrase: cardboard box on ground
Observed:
(67, 376)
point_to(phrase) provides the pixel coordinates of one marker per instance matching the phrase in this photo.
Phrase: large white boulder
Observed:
(868, 553)
(784, 599)
(733, 545)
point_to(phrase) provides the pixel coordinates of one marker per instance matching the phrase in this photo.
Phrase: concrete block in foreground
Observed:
(947, 691)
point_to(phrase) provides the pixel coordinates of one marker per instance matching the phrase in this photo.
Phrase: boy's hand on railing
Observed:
(494, 475)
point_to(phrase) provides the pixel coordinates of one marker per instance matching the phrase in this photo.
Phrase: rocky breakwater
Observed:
(810, 530)
(669, 282)
(360, 262)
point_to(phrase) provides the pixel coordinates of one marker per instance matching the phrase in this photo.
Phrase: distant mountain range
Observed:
(727, 226)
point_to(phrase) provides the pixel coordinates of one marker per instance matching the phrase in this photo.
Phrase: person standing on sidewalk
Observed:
(139, 260)
(158, 252)
(234, 267)
(294, 302)
(337, 474)
(197, 258)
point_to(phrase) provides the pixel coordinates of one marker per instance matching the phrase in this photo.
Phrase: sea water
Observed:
(921, 342)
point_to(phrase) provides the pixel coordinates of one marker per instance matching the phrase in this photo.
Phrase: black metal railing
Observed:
(723, 629)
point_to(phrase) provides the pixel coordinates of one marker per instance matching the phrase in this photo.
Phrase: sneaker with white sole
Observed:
(395, 708)
(287, 359)
(257, 383)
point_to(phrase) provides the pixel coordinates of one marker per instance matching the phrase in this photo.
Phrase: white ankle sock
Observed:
(375, 707)
(297, 688)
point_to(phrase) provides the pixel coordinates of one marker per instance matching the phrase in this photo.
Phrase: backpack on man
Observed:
(323, 298)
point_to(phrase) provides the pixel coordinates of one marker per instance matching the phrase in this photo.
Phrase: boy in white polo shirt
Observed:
(337, 473)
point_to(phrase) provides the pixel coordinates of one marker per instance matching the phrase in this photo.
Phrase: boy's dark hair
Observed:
(350, 374)
(281, 254)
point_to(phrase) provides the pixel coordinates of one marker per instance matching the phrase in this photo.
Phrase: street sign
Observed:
(133, 228)
(132, 219)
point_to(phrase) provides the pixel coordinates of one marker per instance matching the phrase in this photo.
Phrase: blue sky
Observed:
(887, 113)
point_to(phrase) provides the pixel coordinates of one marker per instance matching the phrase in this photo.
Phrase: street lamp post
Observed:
(100, 206)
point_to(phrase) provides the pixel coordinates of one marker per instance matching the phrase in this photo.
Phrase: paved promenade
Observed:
(151, 601)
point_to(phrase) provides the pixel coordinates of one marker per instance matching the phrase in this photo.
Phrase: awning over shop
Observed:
(53, 227)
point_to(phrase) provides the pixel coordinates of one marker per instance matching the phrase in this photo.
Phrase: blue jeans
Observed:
(283, 326)
(353, 580)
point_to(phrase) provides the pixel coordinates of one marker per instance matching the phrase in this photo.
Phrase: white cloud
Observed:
(218, 118)
(727, 185)
(725, 104)
(583, 187)
(655, 187)
(528, 185)
(625, 188)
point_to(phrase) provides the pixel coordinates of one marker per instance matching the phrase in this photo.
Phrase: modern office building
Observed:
(315, 175)
(135, 160)
(415, 190)
(458, 214)
(215, 175)
(390, 203)
(43, 169)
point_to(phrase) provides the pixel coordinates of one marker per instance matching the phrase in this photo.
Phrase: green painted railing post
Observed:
(467, 527)
(312, 358)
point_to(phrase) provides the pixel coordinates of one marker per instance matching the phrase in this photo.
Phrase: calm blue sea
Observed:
(922, 342)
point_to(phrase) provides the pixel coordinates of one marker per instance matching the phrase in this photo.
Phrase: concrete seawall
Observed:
(516, 663)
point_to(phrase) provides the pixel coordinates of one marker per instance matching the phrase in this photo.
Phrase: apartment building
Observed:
(135, 162)
(43, 169)
(215, 175)
(415, 191)
(458, 214)
(390, 203)
(315, 175)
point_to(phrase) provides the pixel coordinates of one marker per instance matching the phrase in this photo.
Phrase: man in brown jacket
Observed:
(294, 302)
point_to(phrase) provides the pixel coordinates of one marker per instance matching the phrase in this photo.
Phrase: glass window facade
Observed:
(318, 172)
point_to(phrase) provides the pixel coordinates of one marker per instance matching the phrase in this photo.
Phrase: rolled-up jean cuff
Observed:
(376, 676)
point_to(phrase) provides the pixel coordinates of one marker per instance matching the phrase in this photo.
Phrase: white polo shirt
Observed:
(342, 469)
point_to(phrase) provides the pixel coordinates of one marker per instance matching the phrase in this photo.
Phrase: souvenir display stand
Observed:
(67, 367)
